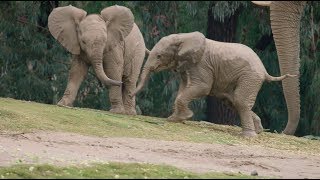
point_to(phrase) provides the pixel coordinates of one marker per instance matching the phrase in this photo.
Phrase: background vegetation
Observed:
(33, 66)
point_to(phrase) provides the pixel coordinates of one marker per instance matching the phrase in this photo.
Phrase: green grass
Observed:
(21, 116)
(110, 170)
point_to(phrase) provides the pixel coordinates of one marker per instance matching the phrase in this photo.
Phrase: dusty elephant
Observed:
(110, 41)
(229, 71)
(285, 19)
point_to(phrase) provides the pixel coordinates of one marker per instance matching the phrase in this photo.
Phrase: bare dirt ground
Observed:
(68, 148)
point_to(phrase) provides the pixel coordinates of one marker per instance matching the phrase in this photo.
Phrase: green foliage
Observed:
(225, 9)
(310, 69)
(27, 54)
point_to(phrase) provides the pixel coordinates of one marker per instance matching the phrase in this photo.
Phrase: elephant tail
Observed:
(280, 78)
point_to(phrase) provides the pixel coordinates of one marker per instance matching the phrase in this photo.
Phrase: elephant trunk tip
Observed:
(101, 75)
(138, 89)
(109, 82)
(115, 83)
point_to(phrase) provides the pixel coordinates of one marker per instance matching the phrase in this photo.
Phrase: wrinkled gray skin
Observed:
(285, 19)
(229, 71)
(110, 42)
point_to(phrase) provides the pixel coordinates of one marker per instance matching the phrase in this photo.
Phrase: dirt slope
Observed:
(70, 148)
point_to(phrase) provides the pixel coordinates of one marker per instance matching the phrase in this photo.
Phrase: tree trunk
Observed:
(217, 112)
(45, 9)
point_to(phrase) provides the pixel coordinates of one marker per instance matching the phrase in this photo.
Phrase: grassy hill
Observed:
(23, 116)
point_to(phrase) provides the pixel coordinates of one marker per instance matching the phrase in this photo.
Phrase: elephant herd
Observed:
(113, 45)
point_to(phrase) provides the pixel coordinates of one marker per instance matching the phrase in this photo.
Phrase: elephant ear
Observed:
(119, 22)
(63, 23)
(190, 49)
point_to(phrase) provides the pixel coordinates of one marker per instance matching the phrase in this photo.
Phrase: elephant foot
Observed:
(257, 123)
(131, 112)
(117, 111)
(175, 119)
(248, 133)
(64, 103)
(258, 129)
(181, 117)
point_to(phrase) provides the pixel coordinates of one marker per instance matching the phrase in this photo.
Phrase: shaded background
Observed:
(33, 66)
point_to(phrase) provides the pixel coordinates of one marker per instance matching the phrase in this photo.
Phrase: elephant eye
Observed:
(83, 42)
(158, 56)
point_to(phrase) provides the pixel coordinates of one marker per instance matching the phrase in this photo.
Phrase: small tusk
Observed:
(262, 3)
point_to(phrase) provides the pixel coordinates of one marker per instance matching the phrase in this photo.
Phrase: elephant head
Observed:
(91, 35)
(177, 52)
(285, 19)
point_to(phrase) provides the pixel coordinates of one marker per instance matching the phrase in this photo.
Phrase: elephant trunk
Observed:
(98, 68)
(145, 75)
(285, 23)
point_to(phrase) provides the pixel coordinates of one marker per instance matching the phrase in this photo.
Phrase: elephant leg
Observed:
(244, 98)
(77, 73)
(185, 96)
(131, 74)
(129, 102)
(115, 97)
(257, 123)
(113, 67)
(182, 85)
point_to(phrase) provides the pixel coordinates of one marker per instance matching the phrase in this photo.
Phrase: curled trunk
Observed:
(285, 23)
(98, 68)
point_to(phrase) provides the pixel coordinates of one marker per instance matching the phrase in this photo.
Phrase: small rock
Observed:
(31, 168)
(254, 173)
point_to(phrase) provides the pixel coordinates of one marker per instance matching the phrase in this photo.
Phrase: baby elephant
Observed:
(229, 71)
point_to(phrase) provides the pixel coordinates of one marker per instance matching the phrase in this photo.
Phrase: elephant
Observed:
(232, 72)
(110, 42)
(285, 17)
